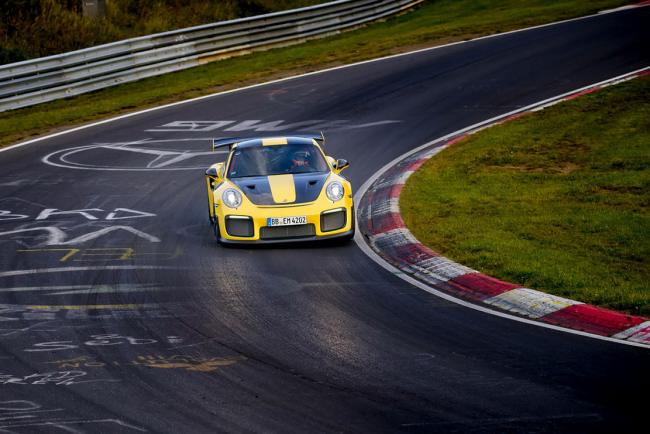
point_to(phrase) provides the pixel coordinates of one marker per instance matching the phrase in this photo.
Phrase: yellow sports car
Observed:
(278, 189)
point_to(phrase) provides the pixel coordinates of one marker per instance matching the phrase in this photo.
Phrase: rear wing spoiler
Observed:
(230, 141)
(319, 137)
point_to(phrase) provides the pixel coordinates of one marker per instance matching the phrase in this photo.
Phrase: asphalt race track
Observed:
(119, 313)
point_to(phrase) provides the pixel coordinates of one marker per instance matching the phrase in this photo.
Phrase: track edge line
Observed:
(433, 147)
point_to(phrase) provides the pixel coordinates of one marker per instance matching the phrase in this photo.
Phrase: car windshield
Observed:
(276, 160)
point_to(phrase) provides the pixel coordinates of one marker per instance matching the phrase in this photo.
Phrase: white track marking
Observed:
(76, 269)
(56, 236)
(396, 237)
(44, 288)
(85, 289)
(530, 303)
(63, 424)
(131, 214)
(43, 215)
(351, 65)
(64, 156)
(639, 333)
(91, 236)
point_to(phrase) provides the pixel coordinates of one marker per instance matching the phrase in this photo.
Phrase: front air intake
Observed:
(333, 220)
(239, 226)
(287, 232)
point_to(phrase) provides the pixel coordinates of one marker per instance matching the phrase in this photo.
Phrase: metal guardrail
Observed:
(49, 78)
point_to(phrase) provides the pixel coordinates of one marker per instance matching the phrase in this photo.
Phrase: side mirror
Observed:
(214, 174)
(340, 165)
(219, 168)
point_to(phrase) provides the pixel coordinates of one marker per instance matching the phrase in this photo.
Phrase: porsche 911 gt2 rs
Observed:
(278, 189)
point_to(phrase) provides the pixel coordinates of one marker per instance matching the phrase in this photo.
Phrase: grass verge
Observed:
(434, 23)
(557, 200)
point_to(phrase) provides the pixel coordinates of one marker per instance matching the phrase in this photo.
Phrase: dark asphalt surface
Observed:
(149, 325)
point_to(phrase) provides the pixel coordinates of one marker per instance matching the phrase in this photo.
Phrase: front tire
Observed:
(216, 231)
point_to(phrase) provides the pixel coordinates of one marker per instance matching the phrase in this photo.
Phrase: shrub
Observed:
(35, 28)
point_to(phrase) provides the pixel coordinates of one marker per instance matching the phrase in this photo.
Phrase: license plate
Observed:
(286, 221)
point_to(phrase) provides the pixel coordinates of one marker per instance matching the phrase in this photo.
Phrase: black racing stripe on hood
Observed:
(309, 186)
(258, 190)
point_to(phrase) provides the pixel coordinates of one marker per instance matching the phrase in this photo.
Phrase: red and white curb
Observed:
(381, 228)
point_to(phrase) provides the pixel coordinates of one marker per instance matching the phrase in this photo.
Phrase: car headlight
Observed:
(231, 198)
(334, 191)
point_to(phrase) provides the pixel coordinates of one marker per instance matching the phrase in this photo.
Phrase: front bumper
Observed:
(256, 217)
(349, 233)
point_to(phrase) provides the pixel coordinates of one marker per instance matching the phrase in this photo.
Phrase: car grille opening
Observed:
(331, 221)
(239, 227)
(282, 232)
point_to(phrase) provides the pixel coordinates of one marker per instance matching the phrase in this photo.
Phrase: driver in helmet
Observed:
(300, 161)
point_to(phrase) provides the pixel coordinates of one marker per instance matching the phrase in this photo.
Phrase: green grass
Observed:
(557, 200)
(434, 23)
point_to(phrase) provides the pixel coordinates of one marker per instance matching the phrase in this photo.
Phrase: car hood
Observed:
(282, 189)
